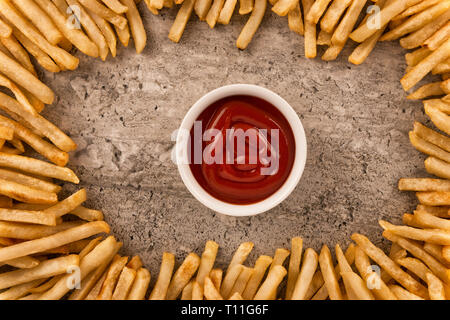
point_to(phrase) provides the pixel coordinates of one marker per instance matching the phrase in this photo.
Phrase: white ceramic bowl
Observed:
(182, 155)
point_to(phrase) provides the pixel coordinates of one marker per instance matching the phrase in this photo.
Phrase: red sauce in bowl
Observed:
(243, 150)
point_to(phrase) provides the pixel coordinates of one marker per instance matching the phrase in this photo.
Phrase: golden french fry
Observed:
(20, 290)
(45, 269)
(434, 198)
(317, 10)
(197, 291)
(436, 251)
(31, 232)
(347, 23)
(68, 204)
(29, 181)
(104, 12)
(159, 291)
(46, 285)
(442, 68)
(210, 291)
(135, 263)
(389, 266)
(236, 296)
(241, 281)
(5, 29)
(107, 30)
(202, 7)
(310, 32)
(428, 148)
(186, 294)
(306, 275)
(252, 25)
(136, 26)
(329, 275)
(386, 14)
(269, 287)
(416, 9)
(316, 284)
(403, 294)
(427, 90)
(91, 28)
(92, 284)
(216, 277)
(426, 65)
(240, 255)
(123, 35)
(435, 287)
(261, 265)
(245, 6)
(89, 263)
(332, 52)
(433, 137)
(157, 4)
(150, 7)
(112, 276)
(333, 14)
(27, 194)
(177, 29)
(207, 261)
(87, 214)
(413, 58)
(438, 38)
(417, 21)
(53, 241)
(116, 6)
(445, 86)
(35, 166)
(414, 265)
(356, 285)
(282, 7)
(442, 212)
(25, 262)
(214, 12)
(140, 285)
(229, 280)
(446, 254)
(40, 20)
(423, 184)
(18, 52)
(435, 236)
(279, 257)
(295, 19)
(183, 275)
(23, 216)
(437, 167)
(417, 251)
(124, 283)
(227, 12)
(6, 133)
(417, 38)
(324, 38)
(294, 265)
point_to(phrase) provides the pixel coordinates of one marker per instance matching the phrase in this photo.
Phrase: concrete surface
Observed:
(122, 114)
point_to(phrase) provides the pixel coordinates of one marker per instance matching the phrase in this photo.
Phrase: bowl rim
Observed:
(181, 151)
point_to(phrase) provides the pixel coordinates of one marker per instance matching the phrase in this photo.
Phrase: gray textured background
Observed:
(122, 113)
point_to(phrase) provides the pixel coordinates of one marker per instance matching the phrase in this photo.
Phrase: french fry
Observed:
(40, 20)
(269, 287)
(236, 296)
(294, 265)
(252, 25)
(386, 14)
(23, 216)
(29, 181)
(67, 205)
(124, 283)
(417, 21)
(279, 257)
(317, 10)
(159, 291)
(356, 285)
(87, 214)
(390, 266)
(427, 90)
(433, 137)
(26, 194)
(442, 212)
(316, 283)
(437, 167)
(177, 29)
(438, 38)
(216, 277)
(435, 287)
(26, 79)
(207, 261)
(46, 285)
(6, 133)
(413, 58)
(426, 65)
(89, 263)
(240, 255)
(140, 285)
(135, 263)
(112, 276)
(310, 32)
(441, 68)
(108, 32)
(306, 275)
(136, 26)
(414, 265)
(333, 14)
(428, 148)
(434, 236)
(151, 8)
(53, 241)
(379, 288)
(186, 294)
(417, 38)
(282, 7)
(403, 294)
(423, 184)
(445, 86)
(123, 34)
(25, 262)
(5, 29)
(332, 52)
(415, 9)
(245, 6)
(347, 23)
(295, 19)
(227, 11)
(104, 12)
(20, 290)
(35, 166)
(197, 291)
(92, 284)
(45, 269)
(202, 7)
(32, 232)
(18, 52)
(329, 275)
(446, 254)
(261, 265)
(434, 198)
(242, 280)
(210, 291)
(183, 275)
(53, 133)
(436, 251)
(214, 12)
(417, 251)
(116, 6)
(230, 279)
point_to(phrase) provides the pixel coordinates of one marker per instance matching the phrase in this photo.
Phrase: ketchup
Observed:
(243, 150)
